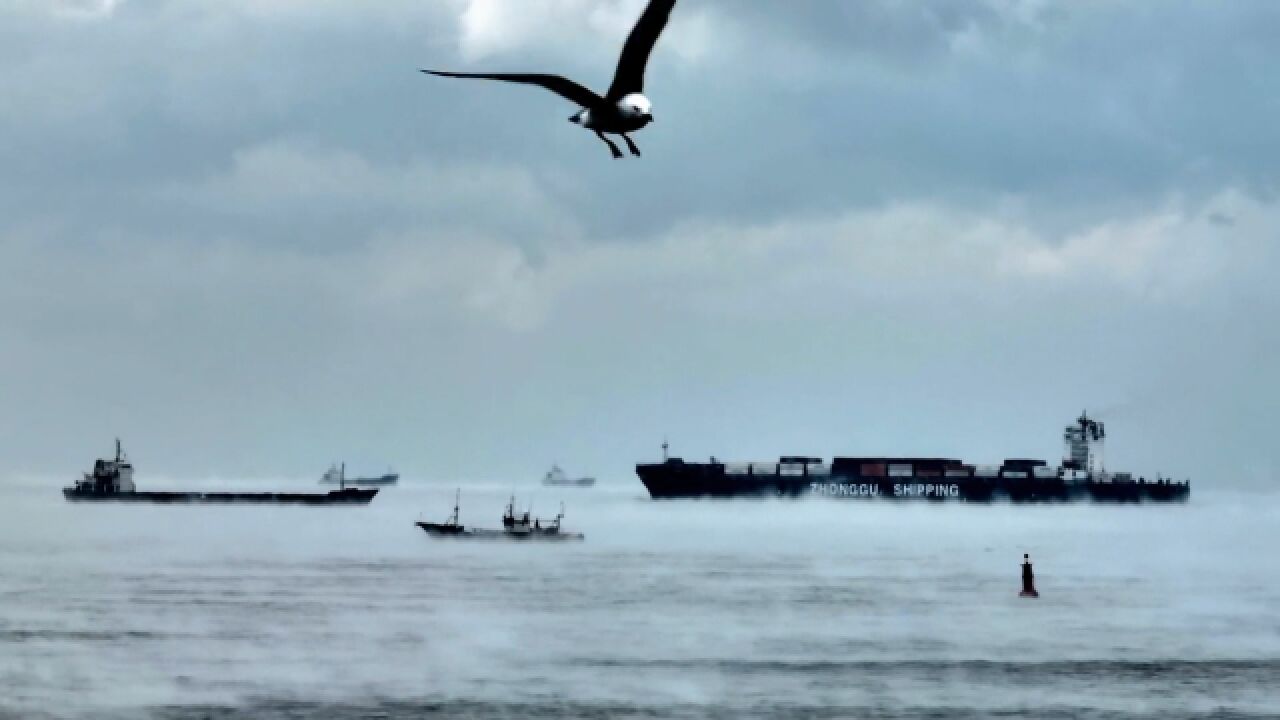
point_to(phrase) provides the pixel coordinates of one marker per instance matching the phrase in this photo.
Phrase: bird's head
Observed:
(636, 106)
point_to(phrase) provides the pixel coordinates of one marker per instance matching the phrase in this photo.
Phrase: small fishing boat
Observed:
(448, 528)
(514, 527)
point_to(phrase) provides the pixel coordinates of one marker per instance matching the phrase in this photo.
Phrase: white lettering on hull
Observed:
(926, 490)
(939, 490)
(846, 489)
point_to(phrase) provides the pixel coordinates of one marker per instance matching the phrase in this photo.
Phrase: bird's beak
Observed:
(649, 117)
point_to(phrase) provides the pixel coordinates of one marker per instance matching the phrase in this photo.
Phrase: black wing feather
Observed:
(561, 86)
(629, 77)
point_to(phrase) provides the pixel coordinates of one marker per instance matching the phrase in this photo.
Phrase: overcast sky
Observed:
(248, 237)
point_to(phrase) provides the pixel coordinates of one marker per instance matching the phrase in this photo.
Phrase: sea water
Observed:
(810, 608)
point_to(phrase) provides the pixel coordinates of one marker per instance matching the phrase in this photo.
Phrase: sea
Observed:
(806, 608)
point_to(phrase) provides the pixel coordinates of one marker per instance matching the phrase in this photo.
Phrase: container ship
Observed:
(112, 481)
(1080, 477)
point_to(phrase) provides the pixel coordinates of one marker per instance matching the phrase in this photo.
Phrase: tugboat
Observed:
(514, 527)
(555, 477)
(337, 475)
(112, 481)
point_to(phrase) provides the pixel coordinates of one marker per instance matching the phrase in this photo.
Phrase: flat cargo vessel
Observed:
(112, 481)
(1080, 477)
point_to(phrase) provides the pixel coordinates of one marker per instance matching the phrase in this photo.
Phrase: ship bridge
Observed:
(1084, 444)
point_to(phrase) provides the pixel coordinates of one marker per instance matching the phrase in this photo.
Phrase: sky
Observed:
(249, 238)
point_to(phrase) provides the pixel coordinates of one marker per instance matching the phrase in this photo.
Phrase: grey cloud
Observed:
(242, 225)
(1079, 107)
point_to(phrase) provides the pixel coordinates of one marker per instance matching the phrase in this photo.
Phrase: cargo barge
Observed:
(1080, 477)
(112, 481)
(337, 475)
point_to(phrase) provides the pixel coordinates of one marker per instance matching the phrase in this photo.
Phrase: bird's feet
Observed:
(612, 148)
(631, 146)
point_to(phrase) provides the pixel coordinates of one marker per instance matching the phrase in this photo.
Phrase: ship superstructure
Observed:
(108, 477)
(1081, 476)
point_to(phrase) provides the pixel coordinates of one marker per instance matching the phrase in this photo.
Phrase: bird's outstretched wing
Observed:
(562, 86)
(629, 78)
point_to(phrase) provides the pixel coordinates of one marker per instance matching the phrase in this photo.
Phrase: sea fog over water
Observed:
(811, 608)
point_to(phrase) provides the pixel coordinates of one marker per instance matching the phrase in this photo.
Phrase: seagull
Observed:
(624, 108)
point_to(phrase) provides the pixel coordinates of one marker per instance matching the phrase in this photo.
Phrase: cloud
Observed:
(574, 28)
(77, 9)
(331, 196)
(870, 215)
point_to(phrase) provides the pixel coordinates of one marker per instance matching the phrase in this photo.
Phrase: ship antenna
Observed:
(665, 448)
(117, 449)
(342, 477)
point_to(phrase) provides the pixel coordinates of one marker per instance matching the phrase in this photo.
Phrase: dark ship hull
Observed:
(678, 479)
(348, 496)
(390, 479)
(443, 529)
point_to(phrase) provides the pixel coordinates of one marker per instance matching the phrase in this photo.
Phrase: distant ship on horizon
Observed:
(557, 477)
(337, 475)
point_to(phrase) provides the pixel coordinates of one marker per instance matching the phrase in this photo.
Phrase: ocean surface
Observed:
(812, 608)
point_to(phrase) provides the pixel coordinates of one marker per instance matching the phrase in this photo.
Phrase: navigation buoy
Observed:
(1028, 579)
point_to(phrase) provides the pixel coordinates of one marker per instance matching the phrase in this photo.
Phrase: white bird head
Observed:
(637, 106)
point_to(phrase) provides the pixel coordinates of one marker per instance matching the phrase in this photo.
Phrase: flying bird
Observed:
(624, 108)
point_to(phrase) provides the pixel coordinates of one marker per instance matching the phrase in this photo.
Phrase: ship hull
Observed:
(349, 496)
(676, 479)
(367, 481)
